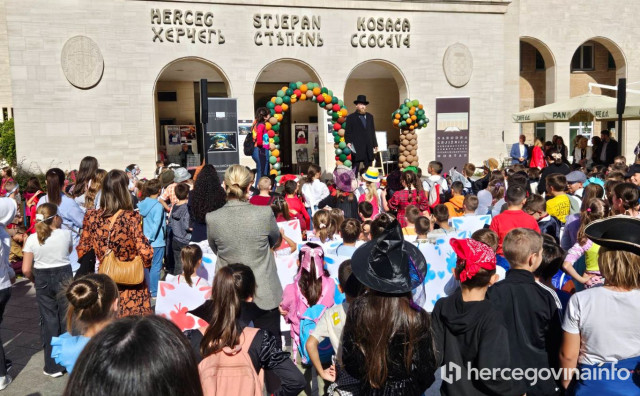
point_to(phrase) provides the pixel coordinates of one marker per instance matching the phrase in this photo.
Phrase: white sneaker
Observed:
(5, 381)
(54, 375)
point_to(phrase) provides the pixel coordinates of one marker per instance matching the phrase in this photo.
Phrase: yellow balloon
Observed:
(303, 97)
(273, 172)
(273, 100)
(279, 117)
(285, 107)
(271, 140)
(294, 100)
(275, 153)
(267, 125)
(284, 88)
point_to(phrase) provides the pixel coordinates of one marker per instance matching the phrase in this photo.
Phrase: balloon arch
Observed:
(289, 95)
(409, 117)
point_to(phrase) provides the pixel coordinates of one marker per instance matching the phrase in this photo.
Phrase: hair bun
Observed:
(82, 294)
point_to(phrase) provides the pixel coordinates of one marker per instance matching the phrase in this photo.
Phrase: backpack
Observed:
(308, 323)
(436, 196)
(248, 145)
(231, 372)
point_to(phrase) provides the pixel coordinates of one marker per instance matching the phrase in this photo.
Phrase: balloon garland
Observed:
(278, 106)
(409, 117)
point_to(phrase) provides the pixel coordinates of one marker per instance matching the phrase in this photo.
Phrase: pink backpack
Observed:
(230, 371)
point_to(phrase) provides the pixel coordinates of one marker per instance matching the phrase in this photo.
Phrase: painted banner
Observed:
(470, 224)
(452, 132)
(221, 138)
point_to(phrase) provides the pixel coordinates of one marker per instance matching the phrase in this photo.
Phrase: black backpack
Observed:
(248, 145)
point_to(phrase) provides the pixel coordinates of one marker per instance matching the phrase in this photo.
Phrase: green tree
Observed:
(8, 142)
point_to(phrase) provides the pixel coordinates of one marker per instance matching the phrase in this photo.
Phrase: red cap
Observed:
(286, 178)
(476, 254)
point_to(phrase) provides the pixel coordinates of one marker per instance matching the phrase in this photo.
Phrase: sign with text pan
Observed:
(452, 132)
(221, 136)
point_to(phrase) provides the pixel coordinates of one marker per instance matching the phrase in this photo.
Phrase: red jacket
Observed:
(537, 158)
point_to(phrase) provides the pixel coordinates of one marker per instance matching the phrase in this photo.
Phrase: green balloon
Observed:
(313, 98)
(273, 160)
(276, 139)
(342, 145)
(342, 157)
(277, 166)
(279, 100)
(336, 139)
(298, 84)
(340, 103)
(329, 92)
(270, 105)
(324, 90)
(286, 99)
(293, 85)
(272, 111)
(344, 125)
(311, 85)
(426, 120)
(346, 150)
(276, 127)
(335, 133)
(289, 92)
(416, 102)
(280, 93)
(338, 151)
(335, 116)
(405, 116)
(347, 163)
(406, 101)
(403, 124)
(334, 99)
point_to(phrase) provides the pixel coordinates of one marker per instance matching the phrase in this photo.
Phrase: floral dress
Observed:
(127, 242)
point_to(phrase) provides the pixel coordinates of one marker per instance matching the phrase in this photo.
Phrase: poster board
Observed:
(452, 132)
(305, 142)
(381, 137)
(177, 135)
(221, 143)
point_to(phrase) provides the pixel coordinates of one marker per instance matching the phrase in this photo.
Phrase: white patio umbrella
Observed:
(583, 108)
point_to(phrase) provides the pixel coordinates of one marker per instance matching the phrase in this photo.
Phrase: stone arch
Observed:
(182, 76)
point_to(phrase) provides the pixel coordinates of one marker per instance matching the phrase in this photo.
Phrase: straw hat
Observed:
(371, 175)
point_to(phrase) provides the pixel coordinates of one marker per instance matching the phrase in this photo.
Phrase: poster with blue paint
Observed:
(470, 224)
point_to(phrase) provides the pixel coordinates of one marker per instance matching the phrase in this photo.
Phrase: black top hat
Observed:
(388, 264)
(361, 99)
(616, 233)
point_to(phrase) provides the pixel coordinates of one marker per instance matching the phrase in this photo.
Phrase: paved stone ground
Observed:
(20, 332)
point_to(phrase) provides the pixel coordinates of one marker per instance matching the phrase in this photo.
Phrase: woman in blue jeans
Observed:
(260, 150)
(46, 263)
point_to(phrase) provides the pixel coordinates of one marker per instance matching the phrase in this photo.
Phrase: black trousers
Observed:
(5, 295)
(52, 304)
(270, 320)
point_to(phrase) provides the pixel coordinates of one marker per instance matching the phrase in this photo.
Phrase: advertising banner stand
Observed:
(221, 134)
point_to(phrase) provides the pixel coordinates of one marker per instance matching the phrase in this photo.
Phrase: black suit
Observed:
(362, 138)
(611, 153)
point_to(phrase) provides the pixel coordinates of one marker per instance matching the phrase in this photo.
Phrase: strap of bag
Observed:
(111, 223)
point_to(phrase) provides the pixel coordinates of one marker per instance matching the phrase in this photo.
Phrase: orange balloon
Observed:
(412, 117)
(316, 91)
(275, 153)
(278, 117)
(294, 100)
(284, 88)
(420, 106)
(412, 111)
(303, 88)
(267, 125)
(285, 107)
(396, 122)
(409, 121)
(273, 99)
(411, 127)
(303, 97)
(397, 116)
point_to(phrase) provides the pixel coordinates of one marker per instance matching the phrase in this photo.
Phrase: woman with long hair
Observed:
(46, 264)
(371, 178)
(207, 196)
(537, 155)
(86, 173)
(68, 209)
(92, 197)
(625, 199)
(387, 338)
(240, 232)
(226, 337)
(117, 227)
(258, 129)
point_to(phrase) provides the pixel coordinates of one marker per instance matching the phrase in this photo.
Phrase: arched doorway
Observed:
(537, 83)
(305, 115)
(177, 104)
(385, 87)
(597, 60)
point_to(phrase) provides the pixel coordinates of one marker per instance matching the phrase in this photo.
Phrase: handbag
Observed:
(128, 273)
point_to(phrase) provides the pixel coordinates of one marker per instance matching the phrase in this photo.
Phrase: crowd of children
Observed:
(540, 259)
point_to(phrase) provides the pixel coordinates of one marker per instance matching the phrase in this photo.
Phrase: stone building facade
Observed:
(99, 94)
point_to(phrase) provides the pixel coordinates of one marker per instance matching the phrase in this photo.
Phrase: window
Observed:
(583, 58)
(5, 114)
(539, 61)
(611, 62)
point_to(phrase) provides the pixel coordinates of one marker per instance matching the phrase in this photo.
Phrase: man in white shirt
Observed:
(519, 152)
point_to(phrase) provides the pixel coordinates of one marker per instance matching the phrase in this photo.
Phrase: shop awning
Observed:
(583, 108)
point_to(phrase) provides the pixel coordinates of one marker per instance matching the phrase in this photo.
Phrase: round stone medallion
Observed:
(458, 65)
(82, 62)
